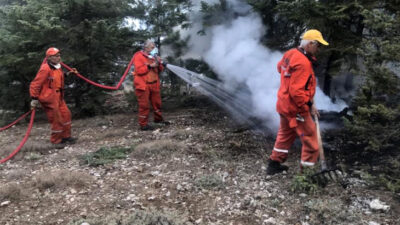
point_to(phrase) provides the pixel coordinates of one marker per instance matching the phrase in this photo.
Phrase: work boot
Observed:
(164, 122)
(146, 127)
(69, 140)
(275, 167)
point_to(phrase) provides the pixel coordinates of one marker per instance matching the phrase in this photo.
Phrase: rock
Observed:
(84, 223)
(378, 205)
(270, 220)
(5, 203)
(373, 223)
(303, 195)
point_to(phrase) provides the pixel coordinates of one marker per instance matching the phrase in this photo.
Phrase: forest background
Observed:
(98, 38)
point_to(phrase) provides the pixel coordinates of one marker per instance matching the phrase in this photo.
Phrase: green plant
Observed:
(209, 182)
(302, 183)
(105, 155)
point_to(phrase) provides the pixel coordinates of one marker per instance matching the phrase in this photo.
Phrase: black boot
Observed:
(147, 127)
(275, 167)
(69, 140)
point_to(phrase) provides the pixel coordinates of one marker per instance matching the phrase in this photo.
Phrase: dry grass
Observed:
(139, 217)
(12, 191)
(61, 179)
(158, 149)
(111, 133)
(37, 146)
(16, 174)
(183, 134)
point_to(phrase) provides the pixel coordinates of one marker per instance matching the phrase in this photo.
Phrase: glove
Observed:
(34, 103)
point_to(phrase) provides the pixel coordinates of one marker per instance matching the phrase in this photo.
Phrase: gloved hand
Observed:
(74, 70)
(34, 103)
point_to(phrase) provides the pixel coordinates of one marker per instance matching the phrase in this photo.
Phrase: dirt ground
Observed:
(200, 169)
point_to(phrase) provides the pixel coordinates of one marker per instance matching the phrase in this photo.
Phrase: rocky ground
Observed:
(200, 169)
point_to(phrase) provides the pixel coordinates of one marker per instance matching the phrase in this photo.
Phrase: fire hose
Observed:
(101, 85)
(28, 131)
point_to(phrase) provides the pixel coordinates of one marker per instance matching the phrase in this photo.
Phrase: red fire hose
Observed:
(33, 110)
(100, 85)
(26, 134)
(15, 122)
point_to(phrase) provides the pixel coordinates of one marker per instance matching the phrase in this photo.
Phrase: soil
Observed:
(200, 169)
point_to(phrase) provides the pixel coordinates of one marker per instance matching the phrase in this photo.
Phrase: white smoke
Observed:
(234, 52)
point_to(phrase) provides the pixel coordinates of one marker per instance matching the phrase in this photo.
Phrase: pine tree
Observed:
(88, 32)
(376, 125)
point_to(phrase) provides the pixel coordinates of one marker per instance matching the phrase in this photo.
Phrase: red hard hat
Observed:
(52, 51)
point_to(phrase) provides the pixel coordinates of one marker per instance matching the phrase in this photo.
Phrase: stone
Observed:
(378, 205)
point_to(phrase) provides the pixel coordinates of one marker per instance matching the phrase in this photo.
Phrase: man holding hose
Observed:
(48, 89)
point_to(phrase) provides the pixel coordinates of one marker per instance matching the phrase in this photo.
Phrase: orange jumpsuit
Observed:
(147, 86)
(295, 98)
(48, 87)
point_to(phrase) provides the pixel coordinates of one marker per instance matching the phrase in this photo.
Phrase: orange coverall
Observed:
(147, 86)
(48, 88)
(295, 98)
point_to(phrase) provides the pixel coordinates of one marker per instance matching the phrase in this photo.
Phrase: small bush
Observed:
(16, 174)
(11, 191)
(332, 211)
(32, 156)
(183, 134)
(37, 147)
(105, 155)
(209, 182)
(159, 148)
(61, 179)
(140, 217)
(302, 183)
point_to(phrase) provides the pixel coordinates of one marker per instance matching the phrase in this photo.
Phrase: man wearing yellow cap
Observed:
(48, 89)
(296, 103)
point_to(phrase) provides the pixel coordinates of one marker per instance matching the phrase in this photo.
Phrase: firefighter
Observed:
(48, 89)
(295, 103)
(146, 81)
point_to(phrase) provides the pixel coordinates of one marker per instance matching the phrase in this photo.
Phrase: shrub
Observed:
(105, 155)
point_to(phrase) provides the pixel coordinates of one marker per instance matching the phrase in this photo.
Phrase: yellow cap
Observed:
(314, 35)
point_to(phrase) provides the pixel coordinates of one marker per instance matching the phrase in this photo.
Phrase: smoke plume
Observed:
(234, 51)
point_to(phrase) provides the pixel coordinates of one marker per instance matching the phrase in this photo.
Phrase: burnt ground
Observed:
(200, 169)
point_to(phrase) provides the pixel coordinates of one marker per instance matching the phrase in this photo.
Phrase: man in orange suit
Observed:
(296, 103)
(146, 81)
(48, 89)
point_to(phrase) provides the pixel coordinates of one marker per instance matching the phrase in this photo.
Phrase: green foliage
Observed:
(209, 182)
(302, 183)
(105, 155)
(375, 125)
(88, 32)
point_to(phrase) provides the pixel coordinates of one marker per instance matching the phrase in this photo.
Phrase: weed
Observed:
(209, 182)
(16, 174)
(61, 179)
(140, 217)
(332, 211)
(32, 156)
(11, 191)
(302, 183)
(105, 155)
(158, 148)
